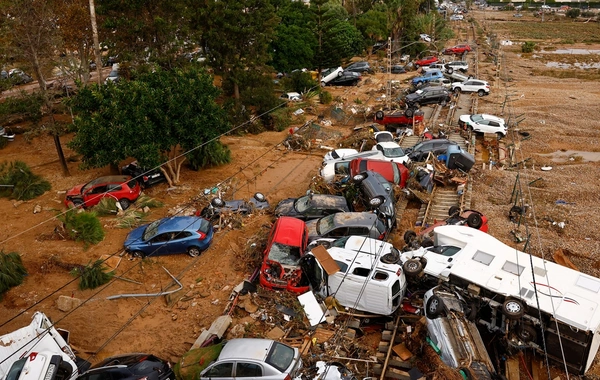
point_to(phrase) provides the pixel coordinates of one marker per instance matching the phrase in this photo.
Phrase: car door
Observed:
(219, 370)
(439, 258)
(159, 245)
(94, 195)
(249, 371)
(179, 242)
(337, 232)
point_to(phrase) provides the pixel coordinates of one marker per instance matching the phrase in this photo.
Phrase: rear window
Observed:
(204, 226)
(15, 370)
(132, 183)
(280, 356)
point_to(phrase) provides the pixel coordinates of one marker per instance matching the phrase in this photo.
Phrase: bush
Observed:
(82, 226)
(12, 271)
(528, 47)
(92, 275)
(299, 82)
(573, 13)
(20, 183)
(325, 97)
(281, 119)
(219, 155)
(23, 107)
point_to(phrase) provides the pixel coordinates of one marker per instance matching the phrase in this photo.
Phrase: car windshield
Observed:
(444, 250)
(325, 224)
(393, 152)
(341, 242)
(280, 356)
(15, 370)
(476, 118)
(151, 231)
(302, 204)
(284, 254)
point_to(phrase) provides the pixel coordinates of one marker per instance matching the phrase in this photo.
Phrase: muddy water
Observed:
(573, 155)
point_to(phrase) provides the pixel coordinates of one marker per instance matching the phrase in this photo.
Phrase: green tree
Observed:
(573, 12)
(237, 34)
(152, 118)
(373, 24)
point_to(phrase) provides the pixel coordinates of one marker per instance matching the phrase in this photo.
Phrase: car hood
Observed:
(465, 118)
(412, 97)
(286, 207)
(75, 190)
(135, 236)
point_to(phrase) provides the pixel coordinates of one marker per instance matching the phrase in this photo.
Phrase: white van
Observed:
(358, 278)
(37, 352)
(508, 285)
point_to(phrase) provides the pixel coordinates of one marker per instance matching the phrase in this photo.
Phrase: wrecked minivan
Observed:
(356, 279)
(453, 336)
(535, 303)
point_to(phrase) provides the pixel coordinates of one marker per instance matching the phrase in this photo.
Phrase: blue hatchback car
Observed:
(176, 234)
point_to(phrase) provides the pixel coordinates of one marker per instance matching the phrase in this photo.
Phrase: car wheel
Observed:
(513, 309)
(450, 70)
(443, 103)
(457, 90)
(379, 115)
(391, 258)
(417, 105)
(355, 82)
(454, 211)
(499, 135)
(409, 236)
(409, 112)
(481, 93)
(526, 333)
(434, 307)
(427, 243)
(413, 268)
(138, 254)
(474, 221)
(193, 251)
(125, 203)
(417, 67)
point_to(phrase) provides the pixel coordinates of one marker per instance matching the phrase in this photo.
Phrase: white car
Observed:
(481, 87)
(483, 123)
(341, 166)
(388, 149)
(456, 65)
(425, 37)
(291, 96)
(435, 66)
(338, 154)
(329, 74)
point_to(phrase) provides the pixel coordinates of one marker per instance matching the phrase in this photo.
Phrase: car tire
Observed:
(481, 93)
(125, 203)
(453, 211)
(434, 307)
(409, 236)
(474, 221)
(450, 70)
(409, 112)
(413, 268)
(457, 90)
(355, 82)
(391, 258)
(513, 309)
(417, 105)
(499, 135)
(443, 103)
(526, 333)
(427, 243)
(194, 251)
(138, 254)
(417, 66)
(379, 115)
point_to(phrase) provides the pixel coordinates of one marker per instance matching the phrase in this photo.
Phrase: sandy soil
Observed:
(560, 115)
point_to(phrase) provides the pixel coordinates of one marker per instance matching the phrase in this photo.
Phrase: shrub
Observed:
(528, 47)
(281, 119)
(82, 226)
(20, 183)
(325, 97)
(92, 275)
(573, 12)
(299, 82)
(219, 155)
(12, 271)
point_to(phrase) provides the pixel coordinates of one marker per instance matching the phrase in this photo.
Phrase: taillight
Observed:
(399, 272)
(287, 377)
(32, 356)
(202, 235)
(382, 236)
(145, 178)
(143, 378)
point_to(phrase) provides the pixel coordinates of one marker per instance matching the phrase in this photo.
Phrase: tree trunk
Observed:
(96, 42)
(61, 155)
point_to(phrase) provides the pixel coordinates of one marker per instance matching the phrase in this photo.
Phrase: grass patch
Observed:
(92, 275)
(195, 361)
(573, 32)
(592, 75)
(12, 271)
(20, 183)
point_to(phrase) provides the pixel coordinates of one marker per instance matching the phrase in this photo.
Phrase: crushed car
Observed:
(312, 206)
(218, 206)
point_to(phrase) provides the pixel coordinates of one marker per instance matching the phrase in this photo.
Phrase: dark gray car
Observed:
(345, 224)
(359, 67)
(421, 151)
(312, 206)
(377, 194)
(428, 95)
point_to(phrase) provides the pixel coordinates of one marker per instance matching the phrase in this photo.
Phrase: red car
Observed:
(398, 118)
(458, 49)
(426, 61)
(122, 188)
(393, 172)
(287, 243)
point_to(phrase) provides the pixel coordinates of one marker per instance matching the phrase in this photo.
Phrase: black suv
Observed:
(377, 194)
(130, 367)
(427, 95)
(420, 151)
(360, 67)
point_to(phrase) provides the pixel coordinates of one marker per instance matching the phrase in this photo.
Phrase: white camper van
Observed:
(507, 286)
(358, 278)
(37, 352)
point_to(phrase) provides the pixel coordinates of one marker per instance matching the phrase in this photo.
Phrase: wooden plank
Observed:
(512, 369)
(402, 351)
(393, 373)
(323, 335)
(536, 369)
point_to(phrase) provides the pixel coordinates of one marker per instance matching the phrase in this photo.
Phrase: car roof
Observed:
(247, 348)
(111, 179)
(492, 117)
(289, 231)
(125, 359)
(355, 219)
(179, 223)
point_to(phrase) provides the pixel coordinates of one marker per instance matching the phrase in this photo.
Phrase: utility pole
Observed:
(388, 88)
(96, 42)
